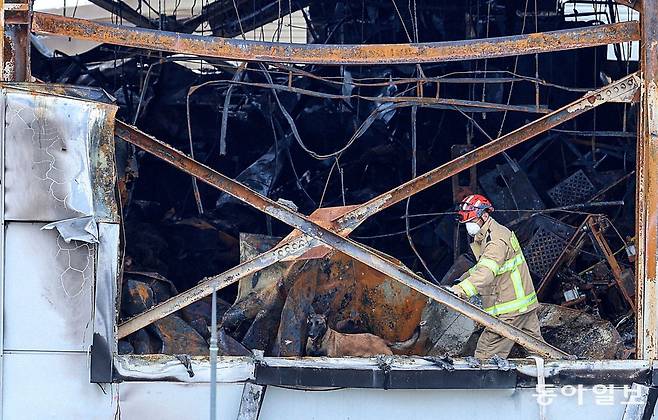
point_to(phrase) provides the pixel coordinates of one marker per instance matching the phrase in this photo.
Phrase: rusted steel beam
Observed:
(344, 245)
(647, 188)
(298, 245)
(295, 247)
(594, 225)
(15, 39)
(244, 50)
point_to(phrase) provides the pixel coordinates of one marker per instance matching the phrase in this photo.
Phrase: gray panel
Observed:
(190, 401)
(48, 290)
(53, 386)
(58, 159)
(417, 404)
(105, 295)
(176, 401)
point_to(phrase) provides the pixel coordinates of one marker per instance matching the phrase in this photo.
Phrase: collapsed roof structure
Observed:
(272, 126)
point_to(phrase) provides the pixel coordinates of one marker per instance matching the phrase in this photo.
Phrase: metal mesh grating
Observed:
(572, 190)
(542, 251)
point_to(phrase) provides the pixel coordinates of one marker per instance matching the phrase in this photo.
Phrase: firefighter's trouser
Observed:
(490, 343)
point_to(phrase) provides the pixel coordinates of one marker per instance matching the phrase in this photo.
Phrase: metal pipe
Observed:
(245, 50)
(213, 357)
(344, 245)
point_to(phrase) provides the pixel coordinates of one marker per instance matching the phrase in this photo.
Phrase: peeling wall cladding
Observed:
(48, 154)
(59, 292)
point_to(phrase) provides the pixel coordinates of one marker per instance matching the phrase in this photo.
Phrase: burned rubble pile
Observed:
(327, 136)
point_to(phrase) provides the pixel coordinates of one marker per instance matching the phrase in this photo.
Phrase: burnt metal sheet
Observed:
(82, 229)
(59, 165)
(510, 189)
(346, 246)
(382, 377)
(48, 290)
(161, 367)
(574, 189)
(158, 368)
(105, 303)
(244, 50)
(252, 245)
(346, 290)
(345, 222)
(92, 94)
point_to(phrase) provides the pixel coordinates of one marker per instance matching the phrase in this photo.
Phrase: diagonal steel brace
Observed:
(298, 245)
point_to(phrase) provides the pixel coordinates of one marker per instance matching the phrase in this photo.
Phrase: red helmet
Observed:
(472, 207)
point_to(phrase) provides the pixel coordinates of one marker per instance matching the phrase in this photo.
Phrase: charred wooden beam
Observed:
(244, 50)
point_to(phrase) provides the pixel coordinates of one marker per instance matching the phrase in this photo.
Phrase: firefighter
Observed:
(500, 276)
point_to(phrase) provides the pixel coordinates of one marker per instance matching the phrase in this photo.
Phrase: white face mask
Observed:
(472, 228)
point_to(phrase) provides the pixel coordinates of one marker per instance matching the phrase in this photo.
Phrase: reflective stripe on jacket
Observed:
(500, 276)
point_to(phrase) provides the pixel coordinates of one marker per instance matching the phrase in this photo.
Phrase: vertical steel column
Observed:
(15, 39)
(647, 186)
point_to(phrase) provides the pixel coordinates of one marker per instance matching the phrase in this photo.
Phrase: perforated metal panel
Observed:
(574, 189)
(542, 251)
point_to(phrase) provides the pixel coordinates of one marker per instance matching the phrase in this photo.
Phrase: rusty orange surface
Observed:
(347, 289)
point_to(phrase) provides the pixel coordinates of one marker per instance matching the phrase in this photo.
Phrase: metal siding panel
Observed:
(175, 401)
(48, 304)
(2, 245)
(53, 386)
(49, 158)
(366, 404)
(105, 295)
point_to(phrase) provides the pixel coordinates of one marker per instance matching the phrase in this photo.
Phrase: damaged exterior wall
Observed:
(59, 284)
(133, 389)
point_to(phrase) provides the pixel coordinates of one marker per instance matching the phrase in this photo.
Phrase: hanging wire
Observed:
(414, 111)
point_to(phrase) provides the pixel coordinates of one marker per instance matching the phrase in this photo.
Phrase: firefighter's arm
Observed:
(481, 277)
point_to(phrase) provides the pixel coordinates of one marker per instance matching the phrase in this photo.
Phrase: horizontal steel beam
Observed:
(244, 50)
(355, 250)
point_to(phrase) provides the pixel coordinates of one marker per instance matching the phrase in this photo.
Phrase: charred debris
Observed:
(315, 136)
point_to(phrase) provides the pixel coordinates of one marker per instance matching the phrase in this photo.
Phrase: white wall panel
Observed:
(48, 290)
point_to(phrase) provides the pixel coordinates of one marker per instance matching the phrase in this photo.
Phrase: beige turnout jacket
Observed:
(500, 276)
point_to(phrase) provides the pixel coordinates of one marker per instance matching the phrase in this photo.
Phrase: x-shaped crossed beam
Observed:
(311, 233)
